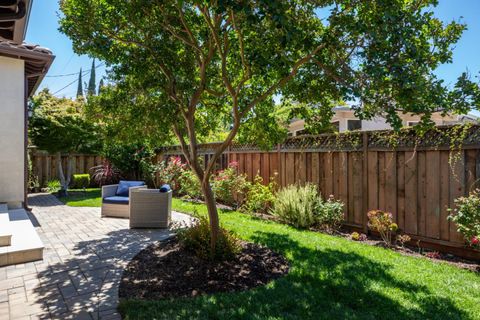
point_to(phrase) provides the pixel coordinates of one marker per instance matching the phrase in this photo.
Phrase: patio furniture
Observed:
(115, 198)
(150, 208)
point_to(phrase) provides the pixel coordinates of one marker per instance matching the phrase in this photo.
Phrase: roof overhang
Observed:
(37, 60)
(14, 15)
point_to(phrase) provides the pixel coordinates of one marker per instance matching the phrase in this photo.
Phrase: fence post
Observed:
(365, 182)
(280, 169)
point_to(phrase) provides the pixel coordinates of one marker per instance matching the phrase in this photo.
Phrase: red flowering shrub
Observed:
(466, 216)
(230, 187)
(171, 172)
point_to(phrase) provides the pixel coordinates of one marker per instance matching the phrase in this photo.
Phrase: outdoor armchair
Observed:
(116, 198)
(150, 208)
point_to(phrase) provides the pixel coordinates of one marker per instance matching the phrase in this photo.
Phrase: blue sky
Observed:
(43, 30)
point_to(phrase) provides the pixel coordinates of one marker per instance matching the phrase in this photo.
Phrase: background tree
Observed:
(58, 126)
(100, 86)
(92, 81)
(80, 87)
(188, 67)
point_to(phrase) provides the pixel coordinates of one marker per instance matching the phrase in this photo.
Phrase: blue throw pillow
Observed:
(165, 188)
(124, 186)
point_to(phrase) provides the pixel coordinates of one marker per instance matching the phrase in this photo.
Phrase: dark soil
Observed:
(166, 269)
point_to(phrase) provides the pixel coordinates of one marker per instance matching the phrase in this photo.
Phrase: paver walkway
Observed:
(84, 258)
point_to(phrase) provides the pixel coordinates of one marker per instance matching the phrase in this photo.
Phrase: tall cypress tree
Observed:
(91, 83)
(100, 86)
(80, 86)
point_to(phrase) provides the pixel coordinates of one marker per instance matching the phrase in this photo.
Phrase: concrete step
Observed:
(5, 234)
(26, 245)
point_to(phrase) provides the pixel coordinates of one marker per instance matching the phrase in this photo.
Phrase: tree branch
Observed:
(284, 80)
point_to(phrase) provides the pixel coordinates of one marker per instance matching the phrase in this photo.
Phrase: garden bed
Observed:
(166, 269)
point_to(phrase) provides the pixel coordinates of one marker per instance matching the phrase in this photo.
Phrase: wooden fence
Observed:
(44, 165)
(417, 181)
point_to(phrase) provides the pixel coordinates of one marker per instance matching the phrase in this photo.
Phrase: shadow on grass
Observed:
(74, 195)
(322, 284)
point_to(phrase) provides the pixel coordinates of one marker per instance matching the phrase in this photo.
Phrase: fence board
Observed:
(421, 200)
(391, 183)
(432, 199)
(401, 190)
(411, 194)
(372, 180)
(457, 188)
(444, 195)
(358, 188)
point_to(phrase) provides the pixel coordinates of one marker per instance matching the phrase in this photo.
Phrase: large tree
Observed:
(188, 67)
(58, 125)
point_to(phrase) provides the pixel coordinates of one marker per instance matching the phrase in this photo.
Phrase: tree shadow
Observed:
(86, 284)
(78, 195)
(322, 284)
(43, 200)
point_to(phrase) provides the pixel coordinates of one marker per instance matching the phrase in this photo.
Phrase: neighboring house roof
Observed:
(37, 60)
(14, 15)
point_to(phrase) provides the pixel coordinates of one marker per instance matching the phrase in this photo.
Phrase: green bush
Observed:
(230, 187)
(330, 214)
(467, 217)
(382, 222)
(260, 197)
(54, 186)
(297, 205)
(190, 185)
(80, 181)
(197, 240)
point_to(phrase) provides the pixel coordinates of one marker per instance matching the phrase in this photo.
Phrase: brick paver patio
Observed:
(83, 261)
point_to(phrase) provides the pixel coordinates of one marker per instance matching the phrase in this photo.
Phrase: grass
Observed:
(79, 198)
(330, 278)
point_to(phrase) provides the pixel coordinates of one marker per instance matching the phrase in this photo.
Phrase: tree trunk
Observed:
(61, 176)
(68, 178)
(212, 214)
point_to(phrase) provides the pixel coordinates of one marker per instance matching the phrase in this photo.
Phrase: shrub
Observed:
(105, 174)
(171, 172)
(403, 238)
(260, 197)
(467, 217)
(54, 186)
(230, 187)
(355, 236)
(197, 240)
(190, 185)
(433, 255)
(297, 205)
(330, 214)
(80, 181)
(382, 222)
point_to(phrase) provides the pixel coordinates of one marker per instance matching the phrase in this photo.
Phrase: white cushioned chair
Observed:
(116, 198)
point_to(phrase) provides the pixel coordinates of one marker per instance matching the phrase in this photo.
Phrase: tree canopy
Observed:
(59, 125)
(187, 68)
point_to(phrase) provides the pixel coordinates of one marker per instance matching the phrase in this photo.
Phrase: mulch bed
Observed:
(166, 269)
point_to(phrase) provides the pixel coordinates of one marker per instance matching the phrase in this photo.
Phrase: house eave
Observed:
(37, 61)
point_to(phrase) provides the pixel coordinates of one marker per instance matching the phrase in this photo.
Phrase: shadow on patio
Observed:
(87, 283)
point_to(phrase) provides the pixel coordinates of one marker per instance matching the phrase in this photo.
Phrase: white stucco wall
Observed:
(12, 139)
(376, 123)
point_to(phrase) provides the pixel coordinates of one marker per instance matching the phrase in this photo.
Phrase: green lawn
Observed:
(79, 198)
(330, 278)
